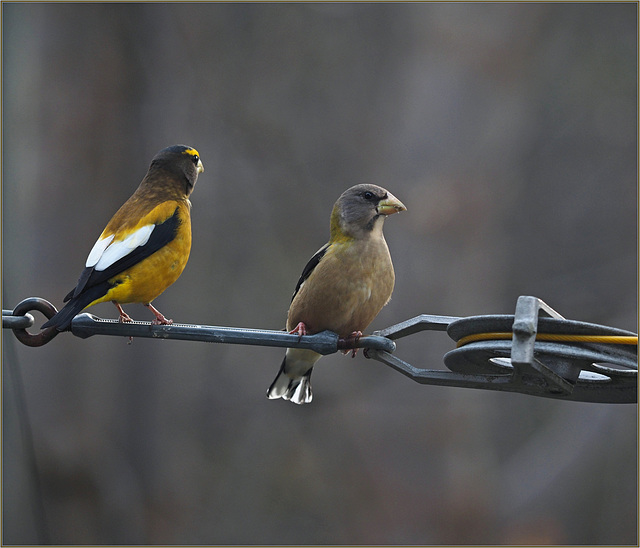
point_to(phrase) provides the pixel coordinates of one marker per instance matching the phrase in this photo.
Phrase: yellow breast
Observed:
(146, 280)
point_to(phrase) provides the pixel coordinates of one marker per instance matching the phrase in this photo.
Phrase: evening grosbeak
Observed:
(146, 244)
(344, 285)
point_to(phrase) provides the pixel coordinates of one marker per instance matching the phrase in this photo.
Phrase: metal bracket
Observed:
(590, 372)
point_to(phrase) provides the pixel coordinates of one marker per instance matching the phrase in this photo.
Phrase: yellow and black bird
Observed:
(145, 246)
(344, 285)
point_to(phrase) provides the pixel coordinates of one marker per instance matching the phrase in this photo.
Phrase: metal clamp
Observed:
(590, 372)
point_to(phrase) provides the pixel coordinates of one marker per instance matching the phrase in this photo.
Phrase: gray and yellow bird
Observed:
(145, 246)
(344, 285)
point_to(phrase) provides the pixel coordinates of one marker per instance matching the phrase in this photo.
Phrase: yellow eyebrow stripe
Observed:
(191, 152)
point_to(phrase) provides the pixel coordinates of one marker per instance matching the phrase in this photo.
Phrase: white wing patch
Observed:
(106, 252)
(98, 250)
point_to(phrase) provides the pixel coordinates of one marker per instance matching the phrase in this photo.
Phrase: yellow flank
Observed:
(146, 280)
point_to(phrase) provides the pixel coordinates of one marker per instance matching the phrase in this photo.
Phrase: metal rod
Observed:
(86, 325)
(16, 322)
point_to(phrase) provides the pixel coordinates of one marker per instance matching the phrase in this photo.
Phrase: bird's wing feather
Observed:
(98, 249)
(118, 249)
(308, 269)
(123, 253)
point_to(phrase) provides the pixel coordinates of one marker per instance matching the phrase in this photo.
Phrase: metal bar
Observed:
(525, 328)
(423, 322)
(86, 325)
(9, 321)
(594, 390)
(438, 377)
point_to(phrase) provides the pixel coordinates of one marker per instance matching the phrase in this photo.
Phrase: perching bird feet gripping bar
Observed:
(86, 325)
(547, 356)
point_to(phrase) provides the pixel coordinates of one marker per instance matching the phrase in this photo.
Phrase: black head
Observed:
(181, 160)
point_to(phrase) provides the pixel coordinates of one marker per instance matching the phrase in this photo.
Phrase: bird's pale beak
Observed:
(200, 166)
(390, 205)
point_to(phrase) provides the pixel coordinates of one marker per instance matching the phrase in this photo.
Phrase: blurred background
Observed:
(508, 130)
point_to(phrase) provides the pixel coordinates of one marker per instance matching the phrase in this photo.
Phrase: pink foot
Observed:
(300, 330)
(353, 338)
(159, 318)
(124, 317)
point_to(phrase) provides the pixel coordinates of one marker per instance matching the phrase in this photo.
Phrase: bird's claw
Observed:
(123, 317)
(300, 330)
(159, 317)
(353, 339)
(161, 320)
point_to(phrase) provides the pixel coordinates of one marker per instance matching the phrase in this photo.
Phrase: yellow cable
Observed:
(601, 339)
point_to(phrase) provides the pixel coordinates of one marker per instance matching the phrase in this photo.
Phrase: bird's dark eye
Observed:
(195, 158)
(368, 195)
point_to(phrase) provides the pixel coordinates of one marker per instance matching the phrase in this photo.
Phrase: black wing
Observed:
(308, 269)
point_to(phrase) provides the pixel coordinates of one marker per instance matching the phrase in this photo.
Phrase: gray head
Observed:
(360, 209)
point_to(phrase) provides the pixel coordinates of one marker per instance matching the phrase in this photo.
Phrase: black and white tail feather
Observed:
(293, 381)
(297, 390)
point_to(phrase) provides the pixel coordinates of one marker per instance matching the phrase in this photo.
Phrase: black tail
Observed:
(62, 320)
